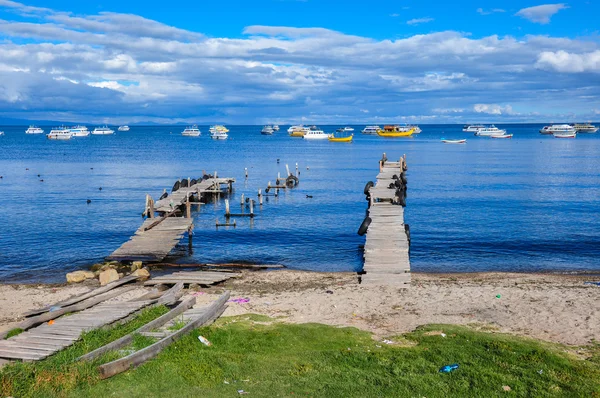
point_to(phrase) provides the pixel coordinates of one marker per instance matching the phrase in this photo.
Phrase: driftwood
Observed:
(120, 365)
(47, 316)
(226, 265)
(84, 296)
(127, 339)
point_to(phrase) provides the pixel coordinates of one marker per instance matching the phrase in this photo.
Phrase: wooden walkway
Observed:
(45, 340)
(386, 251)
(198, 277)
(154, 244)
(179, 197)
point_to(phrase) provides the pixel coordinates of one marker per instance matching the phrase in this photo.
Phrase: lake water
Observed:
(527, 204)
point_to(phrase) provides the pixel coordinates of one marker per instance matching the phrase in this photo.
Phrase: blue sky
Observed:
(299, 61)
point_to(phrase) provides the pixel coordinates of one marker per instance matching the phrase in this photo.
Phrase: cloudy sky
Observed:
(288, 61)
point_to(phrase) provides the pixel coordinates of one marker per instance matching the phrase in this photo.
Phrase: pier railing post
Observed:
(188, 207)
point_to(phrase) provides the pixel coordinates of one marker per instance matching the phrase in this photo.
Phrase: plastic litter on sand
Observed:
(204, 341)
(448, 368)
(240, 300)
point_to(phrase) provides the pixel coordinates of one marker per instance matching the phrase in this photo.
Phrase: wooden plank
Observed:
(125, 340)
(139, 357)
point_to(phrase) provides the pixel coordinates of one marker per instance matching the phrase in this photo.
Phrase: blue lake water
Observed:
(531, 203)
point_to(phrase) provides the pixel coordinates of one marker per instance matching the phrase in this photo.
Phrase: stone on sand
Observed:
(142, 273)
(79, 276)
(107, 276)
(136, 265)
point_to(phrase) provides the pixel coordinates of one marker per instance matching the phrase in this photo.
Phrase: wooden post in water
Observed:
(246, 172)
(287, 168)
(242, 200)
(188, 207)
(297, 173)
(189, 182)
(251, 208)
(230, 186)
(260, 197)
(227, 213)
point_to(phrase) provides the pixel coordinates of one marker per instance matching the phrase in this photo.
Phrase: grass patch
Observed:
(277, 359)
(14, 332)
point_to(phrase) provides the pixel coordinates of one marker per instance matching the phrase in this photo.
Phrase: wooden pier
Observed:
(178, 198)
(386, 252)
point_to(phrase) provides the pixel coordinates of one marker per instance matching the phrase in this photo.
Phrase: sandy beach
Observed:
(557, 308)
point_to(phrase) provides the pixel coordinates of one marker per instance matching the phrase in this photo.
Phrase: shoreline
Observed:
(553, 307)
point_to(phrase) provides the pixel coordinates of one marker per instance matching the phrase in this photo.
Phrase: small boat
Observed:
(314, 133)
(473, 128)
(564, 135)
(123, 128)
(59, 133)
(1, 132)
(395, 131)
(333, 138)
(218, 134)
(275, 127)
(267, 130)
(297, 131)
(371, 130)
(34, 130)
(489, 131)
(79, 131)
(501, 136)
(461, 141)
(558, 128)
(348, 128)
(220, 128)
(103, 131)
(585, 128)
(191, 131)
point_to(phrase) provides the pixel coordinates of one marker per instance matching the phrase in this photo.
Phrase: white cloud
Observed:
(488, 12)
(541, 14)
(563, 61)
(493, 109)
(418, 21)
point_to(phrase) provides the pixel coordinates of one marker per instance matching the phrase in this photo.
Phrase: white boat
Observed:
(489, 131)
(59, 133)
(219, 127)
(102, 131)
(501, 136)
(558, 128)
(267, 130)
(461, 141)
(218, 134)
(123, 128)
(34, 130)
(314, 133)
(585, 128)
(275, 127)
(191, 131)
(1, 132)
(79, 131)
(417, 129)
(473, 128)
(297, 128)
(348, 129)
(564, 135)
(371, 130)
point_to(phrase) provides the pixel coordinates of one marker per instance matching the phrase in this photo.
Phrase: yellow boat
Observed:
(333, 138)
(297, 134)
(394, 133)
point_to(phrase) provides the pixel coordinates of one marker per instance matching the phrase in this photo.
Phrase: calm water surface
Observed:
(527, 204)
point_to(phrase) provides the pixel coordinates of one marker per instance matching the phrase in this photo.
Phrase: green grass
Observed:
(268, 359)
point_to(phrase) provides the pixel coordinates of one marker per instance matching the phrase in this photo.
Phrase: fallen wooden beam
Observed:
(225, 265)
(84, 296)
(125, 340)
(137, 358)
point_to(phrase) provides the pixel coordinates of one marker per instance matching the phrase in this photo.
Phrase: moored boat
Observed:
(267, 130)
(489, 131)
(564, 135)
(501, 136)
(558, 128)
(191, 131)
(123, 128)
(585, 128)
(1, 132)
(34, 130)
(59, 133)
(79, 131)
(297, 131)
(333, 138)
(460, 141)
(371, 130)
(103, 131)
(315, 133)
(395, 131)
(472, 128)
(275, 127)
(218, 134)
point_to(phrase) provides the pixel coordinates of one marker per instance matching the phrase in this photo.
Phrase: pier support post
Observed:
(188, 207)
(297, 173)
(260, 197)
(287, 168)
(246, 172)
(242, 200)
(251, 208)
(227, 213)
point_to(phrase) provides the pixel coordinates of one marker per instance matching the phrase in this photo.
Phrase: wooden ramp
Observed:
(45, 340)
(386, 251)
(154, 240)
(179, 197)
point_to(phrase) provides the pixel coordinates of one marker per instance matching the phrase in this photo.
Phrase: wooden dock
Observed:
(157, 236)
(386, 252)
(47, 339)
